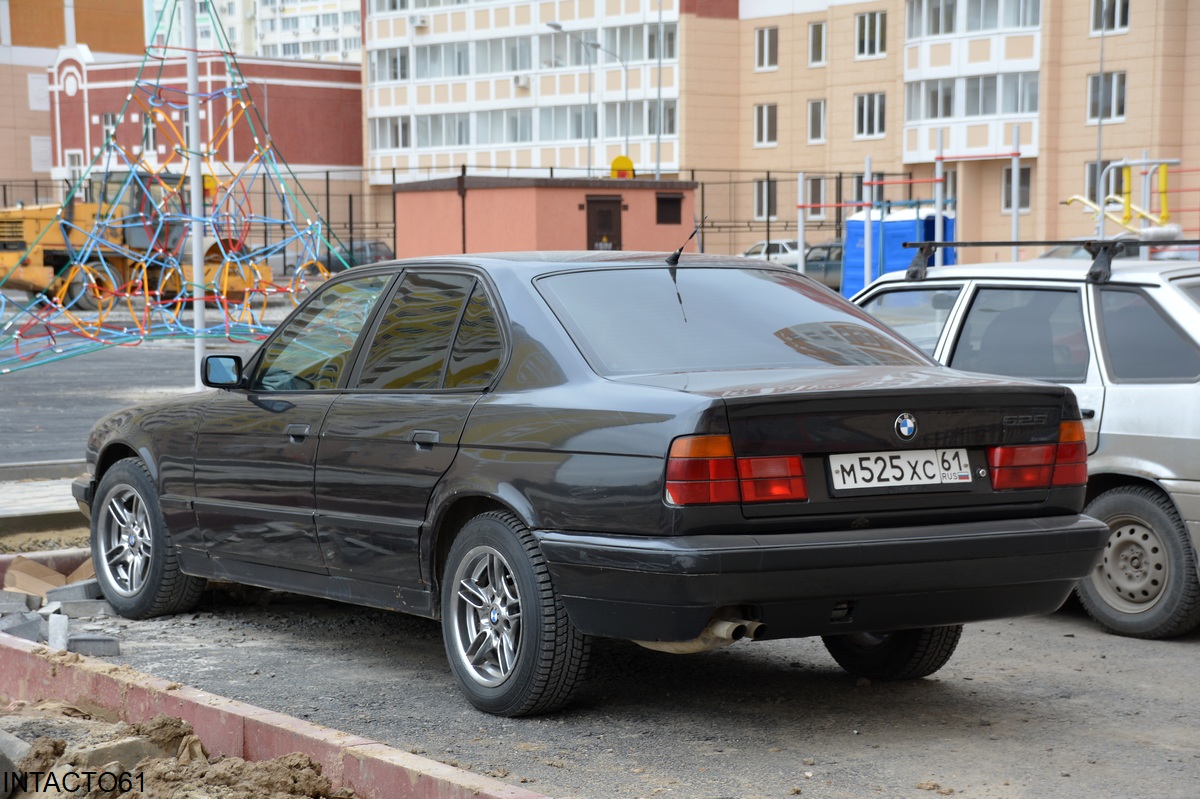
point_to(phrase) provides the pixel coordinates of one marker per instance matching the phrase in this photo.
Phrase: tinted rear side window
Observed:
(1140, 342)
(478, 347)
(413, 338)
(631, 321)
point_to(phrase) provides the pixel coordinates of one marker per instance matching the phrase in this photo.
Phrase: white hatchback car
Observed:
(1128, 344)
(780, 251)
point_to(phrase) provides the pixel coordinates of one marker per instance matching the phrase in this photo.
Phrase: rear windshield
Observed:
(634, 321)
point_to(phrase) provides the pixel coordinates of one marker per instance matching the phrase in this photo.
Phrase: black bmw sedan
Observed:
(538, 448)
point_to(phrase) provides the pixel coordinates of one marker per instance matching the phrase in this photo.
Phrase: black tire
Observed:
(135, 561)
(1145, 585)
(900, 655)
(510, 669)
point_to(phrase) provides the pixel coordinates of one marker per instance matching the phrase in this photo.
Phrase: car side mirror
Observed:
(222, 371)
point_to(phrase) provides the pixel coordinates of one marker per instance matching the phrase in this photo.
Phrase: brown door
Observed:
(604, 223)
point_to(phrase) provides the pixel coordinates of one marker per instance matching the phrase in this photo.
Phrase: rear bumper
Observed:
(802, 584)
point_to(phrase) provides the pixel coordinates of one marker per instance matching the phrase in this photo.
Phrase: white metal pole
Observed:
(939, 200)
(1147, 174)
(1015, 192)
(195, 174)
(659, 120)
(869, 194)
(802, 264)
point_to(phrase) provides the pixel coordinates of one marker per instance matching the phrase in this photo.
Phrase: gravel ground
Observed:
(1048, 707)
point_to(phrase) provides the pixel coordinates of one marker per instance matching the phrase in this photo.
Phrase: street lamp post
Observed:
(588, 50)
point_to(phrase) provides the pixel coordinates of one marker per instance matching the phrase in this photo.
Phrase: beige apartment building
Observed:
(755, 92)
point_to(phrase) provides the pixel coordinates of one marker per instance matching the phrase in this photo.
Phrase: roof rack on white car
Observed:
(1101, 250)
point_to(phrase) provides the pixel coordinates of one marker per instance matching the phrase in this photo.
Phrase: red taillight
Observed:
(702, 470)
(1042, 465)
(772, 479)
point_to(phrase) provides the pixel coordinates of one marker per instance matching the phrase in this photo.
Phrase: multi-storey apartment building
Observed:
(316, 30)
(756, 91)
(31, 35)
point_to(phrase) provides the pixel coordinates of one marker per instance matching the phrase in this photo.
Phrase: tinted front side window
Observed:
(917, 314)
(311, 352)
(1140, 342)
(631, 321)
(413, 339)
(1035, 333)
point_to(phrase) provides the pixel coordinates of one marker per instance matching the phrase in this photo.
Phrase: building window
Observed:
(628, 42)
(668, 37)
(939, 98)
(1114, 181)
(149, 128)
(1022, 13)
(443, 130)
(668, 127)
(506, 126)
(669, 209)
(871, 34)
(1019, 93)
(764, 124)
(388, 6)
(624, 119)
(816, 44)
(108, 129)
(1110, 16)
(443, 60)
(1106, 96)
(764, 199)
(560, 50)
(512, 54)
(567, 122)
(766, 48)
(1023, 189)
(981, 96)
(814, 196)
(950, 184)
(860, 195)
(939, 17)
(983, 15)
(869, 110)
(388, 65)
(350, 17)
(389, 133)
(816, 121)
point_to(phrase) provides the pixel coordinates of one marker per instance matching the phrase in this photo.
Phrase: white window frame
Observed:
(870, 35)
(766, 49)
(870, 115)
(766, 125)
(1024, 191)
(1113, 85)
(766, 197)
(1021, 14)
(818, 44)
(978, 90)
(982, 15)
(936, 13)
(1115, 22)
(816, 106)
(814, 194)
(859, 188)
(1114, 181)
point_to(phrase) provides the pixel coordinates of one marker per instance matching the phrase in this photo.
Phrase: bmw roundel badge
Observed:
(906, 426)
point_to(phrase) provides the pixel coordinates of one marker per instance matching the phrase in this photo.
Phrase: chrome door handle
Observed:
(425, 438)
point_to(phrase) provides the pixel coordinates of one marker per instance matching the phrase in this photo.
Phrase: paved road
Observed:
(1040, 708)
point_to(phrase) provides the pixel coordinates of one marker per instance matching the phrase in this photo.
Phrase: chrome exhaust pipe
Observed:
(720, 632)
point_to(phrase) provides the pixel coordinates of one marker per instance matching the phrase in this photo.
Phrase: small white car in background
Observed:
(1129, 347)
(777, 250)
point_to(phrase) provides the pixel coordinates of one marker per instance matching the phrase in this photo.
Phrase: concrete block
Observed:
(31, 601)
(13, 747)
(7, 771)
(12, 607)
(94, 645)
(86, 608)
(126, 751)
(59, 631)
(85, 589)
(49, 609)
(27, 625)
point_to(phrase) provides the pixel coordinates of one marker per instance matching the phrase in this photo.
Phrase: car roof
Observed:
(554, 260)
(1056, 269)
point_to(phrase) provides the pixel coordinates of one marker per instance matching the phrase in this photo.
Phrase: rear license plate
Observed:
(882, 470)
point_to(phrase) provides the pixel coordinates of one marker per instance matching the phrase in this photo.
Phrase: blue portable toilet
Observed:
(889, 231)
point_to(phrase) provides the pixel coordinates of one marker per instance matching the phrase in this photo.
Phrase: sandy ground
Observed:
(44, 541)
(172, 761)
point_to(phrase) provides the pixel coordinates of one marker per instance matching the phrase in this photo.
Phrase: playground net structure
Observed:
(126, 225)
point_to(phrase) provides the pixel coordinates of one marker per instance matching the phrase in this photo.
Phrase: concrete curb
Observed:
(42, 522)
(32, 672)
(42, 470)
